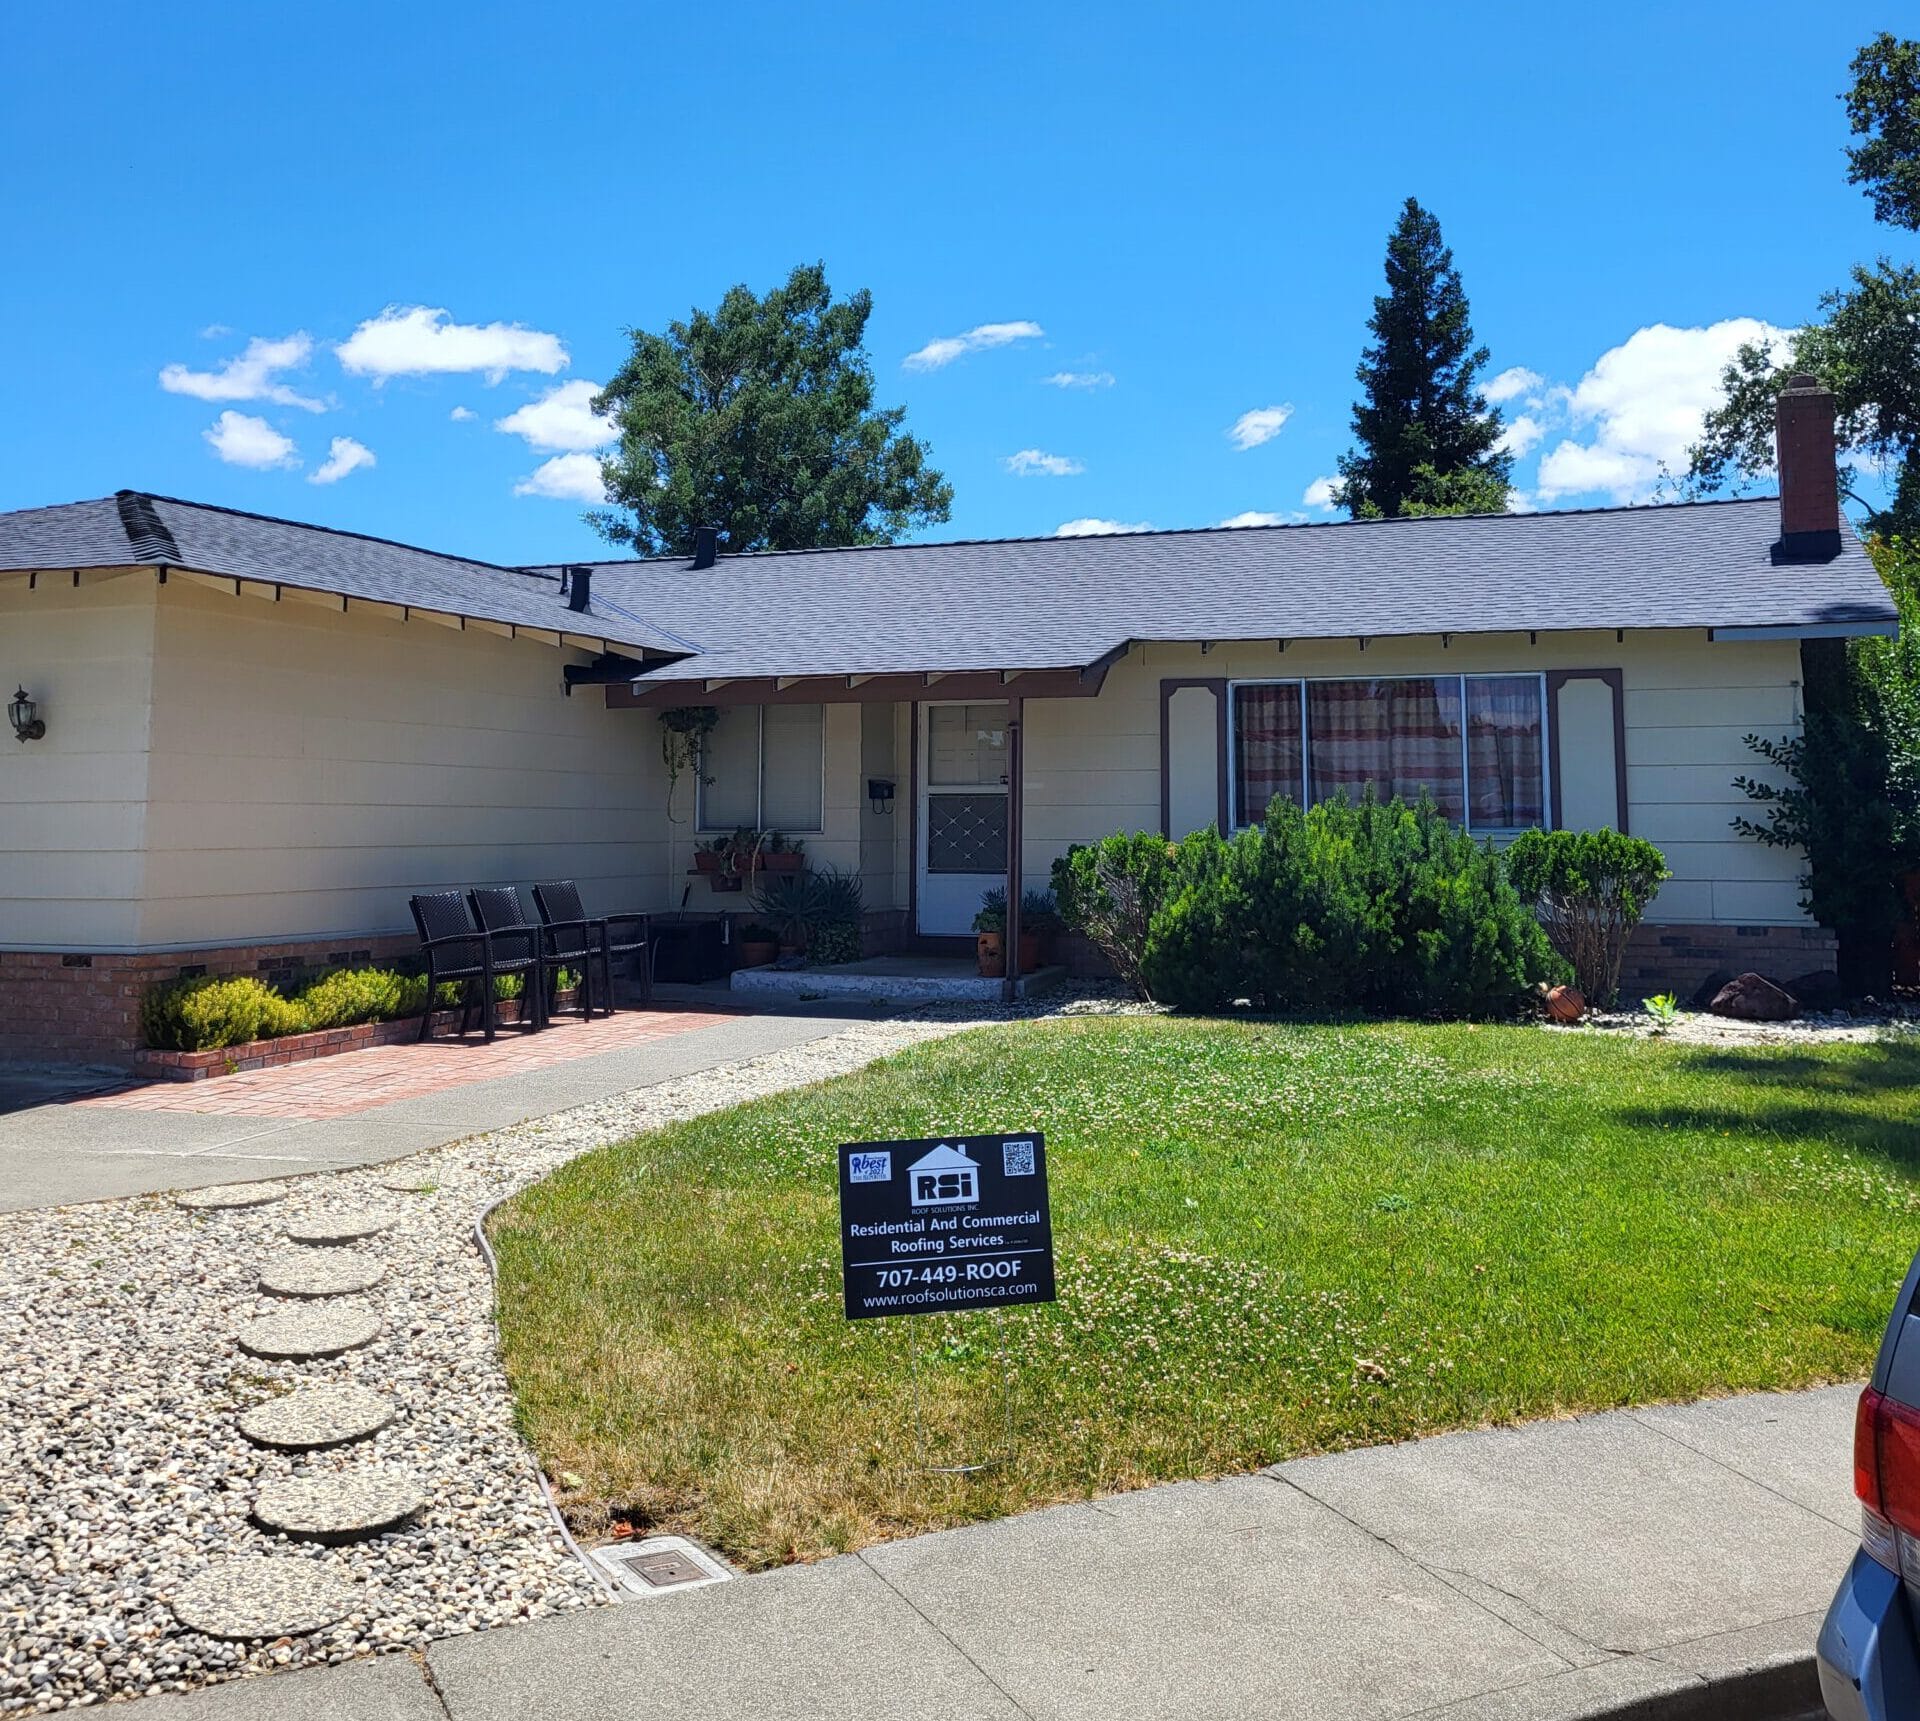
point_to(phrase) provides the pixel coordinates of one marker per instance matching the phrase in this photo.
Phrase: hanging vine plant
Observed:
(683, 738)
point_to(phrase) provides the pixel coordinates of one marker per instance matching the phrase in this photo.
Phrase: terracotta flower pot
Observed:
(1564, 1004)
(1029, 952)
(757, 955)
(991, 950)
(705, 860)
(783, 862)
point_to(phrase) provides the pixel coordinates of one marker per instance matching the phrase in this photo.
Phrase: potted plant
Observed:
(790, 906)
(839, 908)
(779, 853)
(683, 738)
(1040, 915)
(759, 944)
(990, 928)
(711, 857)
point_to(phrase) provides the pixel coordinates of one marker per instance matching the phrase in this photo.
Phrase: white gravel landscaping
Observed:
(127, 1475)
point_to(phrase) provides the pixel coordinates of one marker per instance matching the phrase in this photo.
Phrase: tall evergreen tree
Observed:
(1428, 442)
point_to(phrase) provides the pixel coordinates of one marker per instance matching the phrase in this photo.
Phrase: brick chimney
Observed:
(1809, 480)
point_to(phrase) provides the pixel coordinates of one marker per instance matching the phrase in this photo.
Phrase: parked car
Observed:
(1869, 1650)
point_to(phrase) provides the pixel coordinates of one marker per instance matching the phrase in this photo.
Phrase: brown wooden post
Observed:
(1010, 936)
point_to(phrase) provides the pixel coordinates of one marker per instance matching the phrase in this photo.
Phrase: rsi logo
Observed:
(946, 1177)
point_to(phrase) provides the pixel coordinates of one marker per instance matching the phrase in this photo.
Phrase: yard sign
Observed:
(930, 1227)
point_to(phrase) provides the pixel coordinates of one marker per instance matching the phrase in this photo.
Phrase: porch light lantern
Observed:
(880, 794)
(25, 717)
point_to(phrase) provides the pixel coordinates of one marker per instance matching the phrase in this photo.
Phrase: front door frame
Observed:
(921, 774)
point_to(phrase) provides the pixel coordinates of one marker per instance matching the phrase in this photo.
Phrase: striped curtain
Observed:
(1266, 761)
(1506, 782)
(1400, 734)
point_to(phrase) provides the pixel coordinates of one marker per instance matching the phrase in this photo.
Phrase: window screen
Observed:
(792, 748)
(730, 764)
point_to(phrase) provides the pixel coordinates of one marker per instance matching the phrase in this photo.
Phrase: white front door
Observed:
(962, 814)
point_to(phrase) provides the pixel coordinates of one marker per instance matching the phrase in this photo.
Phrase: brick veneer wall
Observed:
(86, 1009)
(1678, 959)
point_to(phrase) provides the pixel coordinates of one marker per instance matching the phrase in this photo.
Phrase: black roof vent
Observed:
(578, 586)
(145, 530)
(706, 546)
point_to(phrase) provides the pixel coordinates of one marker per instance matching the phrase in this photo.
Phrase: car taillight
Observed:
(1886, 1476)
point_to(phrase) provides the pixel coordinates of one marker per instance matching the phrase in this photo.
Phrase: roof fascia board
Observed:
(982, 685)
(1808, 630)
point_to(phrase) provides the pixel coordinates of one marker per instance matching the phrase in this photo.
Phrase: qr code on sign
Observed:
(1016, 1158)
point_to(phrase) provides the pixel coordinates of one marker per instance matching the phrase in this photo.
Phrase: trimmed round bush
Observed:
(213, 1010)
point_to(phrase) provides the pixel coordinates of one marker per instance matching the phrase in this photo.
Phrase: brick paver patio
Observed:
(358, 1081)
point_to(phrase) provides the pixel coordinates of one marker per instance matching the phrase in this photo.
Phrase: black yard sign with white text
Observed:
(928, 1227)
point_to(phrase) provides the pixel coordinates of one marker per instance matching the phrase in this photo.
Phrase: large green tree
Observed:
(1865, 342)
(758, 418)
(1428, 443)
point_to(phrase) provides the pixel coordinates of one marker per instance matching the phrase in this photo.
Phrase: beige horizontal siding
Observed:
(1093, 766)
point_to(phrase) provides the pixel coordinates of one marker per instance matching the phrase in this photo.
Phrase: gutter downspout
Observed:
(1016, 791)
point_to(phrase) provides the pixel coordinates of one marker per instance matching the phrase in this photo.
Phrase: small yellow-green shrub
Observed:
(216, 1010)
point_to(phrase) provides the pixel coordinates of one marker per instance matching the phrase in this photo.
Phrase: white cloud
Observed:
(1644, 401)
(1030, 462)
(250, 375)
(1319, 494)
(343, 456)
(566, 478)
(461, 414)
(242, 440)
(1510, 384)
(950, 347)
(1260, 425)
(420, 340)
(1080, 379)
(561, 421)
(1522, 436)
(1255, 517)
(1101, 528)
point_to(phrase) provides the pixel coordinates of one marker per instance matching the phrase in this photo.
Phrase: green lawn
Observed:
(1272, 1239)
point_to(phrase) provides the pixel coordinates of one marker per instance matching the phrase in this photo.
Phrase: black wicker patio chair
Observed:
(457, 949)
(503, 917)
(590, 938)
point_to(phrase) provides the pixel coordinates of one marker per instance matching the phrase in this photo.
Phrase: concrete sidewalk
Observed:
(85, 1148)
(1664, 1562)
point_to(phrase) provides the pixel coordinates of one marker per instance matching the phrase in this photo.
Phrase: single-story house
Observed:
(260, 737)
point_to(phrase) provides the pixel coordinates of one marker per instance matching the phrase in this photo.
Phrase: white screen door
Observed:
(963, 813)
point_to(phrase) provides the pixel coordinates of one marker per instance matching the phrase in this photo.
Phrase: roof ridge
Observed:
(1192, 531)
(531, 571)
(145, 530)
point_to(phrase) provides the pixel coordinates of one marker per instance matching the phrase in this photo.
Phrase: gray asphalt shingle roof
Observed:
(134, 529)
(1064, 602)
(1041, 603)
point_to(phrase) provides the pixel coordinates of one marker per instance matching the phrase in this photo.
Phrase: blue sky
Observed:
(430, 218)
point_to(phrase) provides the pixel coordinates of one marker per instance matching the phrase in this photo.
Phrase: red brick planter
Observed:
(301, 1048)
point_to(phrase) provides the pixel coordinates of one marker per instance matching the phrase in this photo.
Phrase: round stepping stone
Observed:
(320, 1330)
(219, 1196)
(339, 1508)
(328, 1230)
(316, 1417)
(275, 1596)
(320, 1273)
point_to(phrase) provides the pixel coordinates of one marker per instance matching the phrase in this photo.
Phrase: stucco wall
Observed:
(73, 805)
(1093, 765)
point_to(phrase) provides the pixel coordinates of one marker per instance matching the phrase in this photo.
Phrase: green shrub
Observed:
(1109, 891)
(216, 1010)
(1371, 905)
(352, 995)
(1590, 889)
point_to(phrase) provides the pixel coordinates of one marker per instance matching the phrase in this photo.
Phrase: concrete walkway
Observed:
(362, 1108)
(1666, 1561)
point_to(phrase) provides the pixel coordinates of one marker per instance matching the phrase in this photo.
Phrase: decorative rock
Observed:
(320, 1273)
(255, 1597)
(1750, 998)
(1820, 990)
(328, 1230)
(1709, 988)
(316, 1417)
(1566, 1004)
(339, 1508)
(220, 1196)
(322, 1330)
